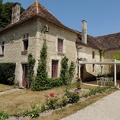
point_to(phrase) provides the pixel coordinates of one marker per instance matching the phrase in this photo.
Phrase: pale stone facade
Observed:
(34, 27)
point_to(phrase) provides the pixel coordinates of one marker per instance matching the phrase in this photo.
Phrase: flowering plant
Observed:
(51, 101)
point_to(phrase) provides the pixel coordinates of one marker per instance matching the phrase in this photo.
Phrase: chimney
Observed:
(84, 31)
(16, 12)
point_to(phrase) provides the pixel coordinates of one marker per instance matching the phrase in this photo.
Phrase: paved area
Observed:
(107, 108)
(9, 91)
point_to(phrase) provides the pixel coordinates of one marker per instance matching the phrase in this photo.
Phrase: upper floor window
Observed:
(25, 42)
(2, 48)
(93, 54)
(60, 45)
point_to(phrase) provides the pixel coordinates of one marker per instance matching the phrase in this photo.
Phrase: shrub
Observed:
(64, 101)
(71, 71)
(54, 82)
(7, 73)
(41, 82)
(43, 108)
(33, 113)
(3, 115)
(73, 97)
(64, 74)
(31, 63)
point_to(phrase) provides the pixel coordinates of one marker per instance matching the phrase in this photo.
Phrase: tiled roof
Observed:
(108, 42)
(91, 42)
(37, 10)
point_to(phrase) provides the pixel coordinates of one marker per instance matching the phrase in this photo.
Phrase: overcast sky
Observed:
(102, 16)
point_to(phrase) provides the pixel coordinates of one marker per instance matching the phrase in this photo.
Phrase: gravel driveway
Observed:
(108, 108)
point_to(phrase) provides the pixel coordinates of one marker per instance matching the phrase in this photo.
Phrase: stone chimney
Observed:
(16, 12)
(84, 31)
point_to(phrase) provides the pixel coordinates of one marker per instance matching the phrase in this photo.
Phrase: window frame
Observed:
(54, 68)
(60, 43)
(25, 40)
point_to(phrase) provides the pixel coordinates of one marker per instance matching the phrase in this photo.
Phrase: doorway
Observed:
(24, 75)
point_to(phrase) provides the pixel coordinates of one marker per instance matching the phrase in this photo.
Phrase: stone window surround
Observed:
(50, 65)
(62, 38)
(25, 44)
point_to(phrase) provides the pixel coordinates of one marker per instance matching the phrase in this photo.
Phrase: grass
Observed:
(17, 102)
(5, 87)
(56, 115)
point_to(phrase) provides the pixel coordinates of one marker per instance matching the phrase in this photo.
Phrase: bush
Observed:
(72, 96)
(7, 73)
(3, 115)
(54, 82)
(33, 113)
(51, 101)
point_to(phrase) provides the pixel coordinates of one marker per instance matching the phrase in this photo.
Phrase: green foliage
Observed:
(43, 108)
(54, 82)
(41, 80)
(7, 73)
(31, 63)
(73, 96)
(117, 56)
(51, 102)
(64, 74)
(3, 115)
(33, 113)
(71, 71)
(64, 101)
(6, 13)
(101, 52)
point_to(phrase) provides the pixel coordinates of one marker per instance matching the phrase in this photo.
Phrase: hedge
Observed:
(7, 73)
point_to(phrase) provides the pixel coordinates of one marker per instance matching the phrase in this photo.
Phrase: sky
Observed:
(102, 16)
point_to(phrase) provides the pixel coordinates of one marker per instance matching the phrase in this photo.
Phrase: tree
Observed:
(41, 81)
(31, 63)
(71, 71)
(64, 74)
(6, 13)
(117, 56)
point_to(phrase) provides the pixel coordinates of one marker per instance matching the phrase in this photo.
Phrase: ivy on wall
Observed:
(101, 52)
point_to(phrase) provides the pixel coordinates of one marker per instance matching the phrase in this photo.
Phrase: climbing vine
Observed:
(101, 52)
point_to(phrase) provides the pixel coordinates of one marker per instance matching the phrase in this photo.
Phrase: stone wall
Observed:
(14, 45)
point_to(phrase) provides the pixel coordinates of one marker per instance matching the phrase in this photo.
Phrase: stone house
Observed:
(28, 31)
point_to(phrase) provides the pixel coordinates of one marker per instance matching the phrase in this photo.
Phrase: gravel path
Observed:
(107, 108)
(9, 91)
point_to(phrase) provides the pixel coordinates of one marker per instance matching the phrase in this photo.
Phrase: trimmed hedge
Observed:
(7, 73)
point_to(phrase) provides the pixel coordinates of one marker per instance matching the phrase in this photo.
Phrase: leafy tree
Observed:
(31, 63)
(41, 81)
(6, 13)
(64, 74)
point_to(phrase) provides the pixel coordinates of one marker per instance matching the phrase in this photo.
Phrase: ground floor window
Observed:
(54, 68)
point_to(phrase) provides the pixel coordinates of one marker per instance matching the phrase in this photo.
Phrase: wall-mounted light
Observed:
(45, 28)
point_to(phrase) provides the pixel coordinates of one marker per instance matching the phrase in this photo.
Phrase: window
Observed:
(93, 54)
(2, 49)
(54, 68)
(60, 45)
(93, 67)
(25, 43)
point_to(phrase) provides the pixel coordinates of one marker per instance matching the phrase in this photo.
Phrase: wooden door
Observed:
(54, 68)
(24, 76)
